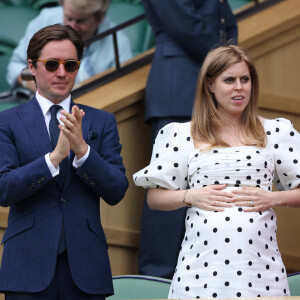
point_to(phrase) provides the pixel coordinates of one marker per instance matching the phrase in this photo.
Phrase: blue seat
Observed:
(10, 97)
(6, 47)
(140, 287)
(148, 287)
(294, 284)
(15, 2)
(4, 3)
(14, 97)
(4, 59)
(29, 3)
(13, 21)
(7, 105)
(140, 34)
(39, 4)
(235, 4)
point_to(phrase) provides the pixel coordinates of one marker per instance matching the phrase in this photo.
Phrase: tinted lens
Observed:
(71, 65)
(51, 65)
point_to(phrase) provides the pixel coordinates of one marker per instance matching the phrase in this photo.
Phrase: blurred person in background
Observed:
(88, 18)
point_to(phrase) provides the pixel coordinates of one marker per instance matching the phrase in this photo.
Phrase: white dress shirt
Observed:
(45, 105)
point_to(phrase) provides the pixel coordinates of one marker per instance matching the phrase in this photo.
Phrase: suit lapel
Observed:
(33, 119)
(34, 122)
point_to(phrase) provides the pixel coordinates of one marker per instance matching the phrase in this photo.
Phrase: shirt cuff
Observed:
(79, 162)
(54, 171)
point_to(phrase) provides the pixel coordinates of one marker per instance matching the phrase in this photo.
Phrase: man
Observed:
(185, 31)
(54, 245)
(88, 18)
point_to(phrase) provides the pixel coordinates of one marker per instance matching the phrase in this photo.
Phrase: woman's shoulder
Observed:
(175, 131)
(276, 123)
(279, 129)
(176, 127)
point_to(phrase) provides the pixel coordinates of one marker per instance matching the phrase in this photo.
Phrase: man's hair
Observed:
(206, 118)
(88, 7)
(56, 32)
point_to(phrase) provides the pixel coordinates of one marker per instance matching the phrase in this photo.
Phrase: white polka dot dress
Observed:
(232, 253)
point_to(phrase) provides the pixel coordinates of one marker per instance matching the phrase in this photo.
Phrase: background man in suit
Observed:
(54, 245)
(87, 18)
(185, 31)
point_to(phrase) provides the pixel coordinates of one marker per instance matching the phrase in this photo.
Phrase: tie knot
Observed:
(54, 109)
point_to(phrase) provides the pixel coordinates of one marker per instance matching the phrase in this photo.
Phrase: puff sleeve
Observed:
(285, 141)
(169, 162)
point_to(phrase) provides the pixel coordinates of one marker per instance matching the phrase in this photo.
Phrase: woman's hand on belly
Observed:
(211, 197)
(253, 199)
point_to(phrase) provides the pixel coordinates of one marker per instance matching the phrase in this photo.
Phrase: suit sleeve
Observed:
(194, 25)
(103, 171)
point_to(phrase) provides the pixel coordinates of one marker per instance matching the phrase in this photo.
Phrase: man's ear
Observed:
(210, 85)
(31, 67)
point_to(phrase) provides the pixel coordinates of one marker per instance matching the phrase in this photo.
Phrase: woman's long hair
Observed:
(206, 118)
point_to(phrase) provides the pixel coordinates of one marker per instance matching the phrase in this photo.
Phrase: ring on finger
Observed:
(251, 203)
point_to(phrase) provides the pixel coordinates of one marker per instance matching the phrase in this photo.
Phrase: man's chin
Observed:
(61, 89)
(60, 95)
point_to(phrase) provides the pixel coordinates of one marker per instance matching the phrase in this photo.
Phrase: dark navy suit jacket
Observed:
(38, 204)
(185, 31)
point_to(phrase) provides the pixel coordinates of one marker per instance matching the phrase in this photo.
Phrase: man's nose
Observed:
(61, 71)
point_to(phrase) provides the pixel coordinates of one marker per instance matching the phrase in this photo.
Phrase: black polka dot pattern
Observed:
(169, 158)
(232, 253)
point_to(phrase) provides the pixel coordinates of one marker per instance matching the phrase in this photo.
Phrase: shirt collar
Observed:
(45, 104)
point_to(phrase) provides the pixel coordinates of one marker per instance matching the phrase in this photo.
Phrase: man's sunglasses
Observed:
(51, 65)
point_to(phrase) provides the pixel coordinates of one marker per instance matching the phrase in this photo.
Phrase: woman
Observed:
(228, 157)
